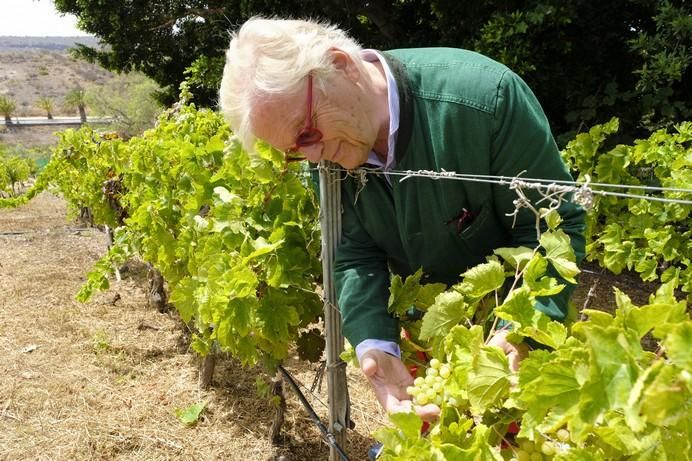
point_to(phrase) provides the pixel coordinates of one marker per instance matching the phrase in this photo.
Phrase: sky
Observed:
(35, 18)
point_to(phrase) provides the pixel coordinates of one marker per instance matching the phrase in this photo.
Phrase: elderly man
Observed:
(311, 91)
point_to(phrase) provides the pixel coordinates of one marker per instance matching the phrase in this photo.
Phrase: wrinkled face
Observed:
(342, 113)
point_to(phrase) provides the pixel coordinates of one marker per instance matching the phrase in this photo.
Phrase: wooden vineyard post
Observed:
(330, 223)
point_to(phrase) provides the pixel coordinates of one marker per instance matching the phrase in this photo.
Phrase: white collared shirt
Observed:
(393, 100)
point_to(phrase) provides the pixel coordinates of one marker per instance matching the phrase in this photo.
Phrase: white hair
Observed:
(272, 57)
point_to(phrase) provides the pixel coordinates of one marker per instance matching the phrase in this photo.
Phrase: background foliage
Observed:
(647, 236)
(587, 60)
(127, 99)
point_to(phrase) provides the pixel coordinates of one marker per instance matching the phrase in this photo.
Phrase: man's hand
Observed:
(515, 352)
(389, 378)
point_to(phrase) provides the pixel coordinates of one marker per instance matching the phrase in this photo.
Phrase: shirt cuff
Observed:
(389, 347)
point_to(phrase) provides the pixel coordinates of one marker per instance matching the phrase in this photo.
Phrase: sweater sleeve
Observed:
(522, 142)
(362, 283)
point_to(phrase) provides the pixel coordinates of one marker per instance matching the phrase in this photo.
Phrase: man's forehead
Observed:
(272, 116)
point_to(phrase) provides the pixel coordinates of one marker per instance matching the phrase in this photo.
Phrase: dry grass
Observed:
(102, 380)
(29, 137)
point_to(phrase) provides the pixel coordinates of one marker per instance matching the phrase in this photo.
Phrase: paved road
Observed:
(43, 121)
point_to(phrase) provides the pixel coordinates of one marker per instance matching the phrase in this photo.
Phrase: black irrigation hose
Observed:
(316, 419)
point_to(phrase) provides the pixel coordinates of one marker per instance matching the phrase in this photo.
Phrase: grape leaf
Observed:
(449, 310)
(191, 414)
(402, 295)
(535, 279)
(529, 321)
(483, 279)
(488, 379)
(678, 345)
(311, 345)
(614, 370)
(516, 257)
(559, 252)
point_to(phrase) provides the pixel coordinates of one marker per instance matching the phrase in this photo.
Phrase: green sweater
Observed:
(461, 112)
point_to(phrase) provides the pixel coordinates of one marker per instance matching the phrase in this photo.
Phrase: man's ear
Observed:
(345, 63)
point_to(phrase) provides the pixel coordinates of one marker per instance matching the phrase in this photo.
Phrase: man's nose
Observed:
(314, 152)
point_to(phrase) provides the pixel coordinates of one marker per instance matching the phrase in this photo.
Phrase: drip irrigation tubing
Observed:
(329, 437)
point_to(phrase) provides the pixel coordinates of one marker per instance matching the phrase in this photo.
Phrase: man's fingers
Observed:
(394, 405)
(513, 359)
(369, 366)
(429, 412)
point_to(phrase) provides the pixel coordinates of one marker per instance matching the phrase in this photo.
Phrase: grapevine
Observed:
(652, 238)
(588, 391)
(234, 235)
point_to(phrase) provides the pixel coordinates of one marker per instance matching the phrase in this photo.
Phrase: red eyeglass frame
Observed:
(309, 135)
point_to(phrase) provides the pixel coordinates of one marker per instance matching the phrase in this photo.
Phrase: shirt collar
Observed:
(393, 101)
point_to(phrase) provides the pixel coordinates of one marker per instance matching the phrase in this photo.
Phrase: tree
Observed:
(14, 171)
(46, 104)
(7, 108)
(128, 100)
(75, 99)
(587, 60)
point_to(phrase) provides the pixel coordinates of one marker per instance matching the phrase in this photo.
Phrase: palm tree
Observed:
(7, 108)
(76, 99)
(46, 104)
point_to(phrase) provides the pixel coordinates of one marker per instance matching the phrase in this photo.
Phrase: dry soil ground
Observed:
(102, 380)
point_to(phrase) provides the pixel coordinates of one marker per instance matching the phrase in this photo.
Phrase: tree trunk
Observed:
(85, 217)
(50, 116)
(110, 235)
(82, 114)
(157, 295)
(277, 390)
(206, 370)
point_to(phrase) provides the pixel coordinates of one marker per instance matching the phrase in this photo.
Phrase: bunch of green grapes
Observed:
(542, 449)
(431, 388)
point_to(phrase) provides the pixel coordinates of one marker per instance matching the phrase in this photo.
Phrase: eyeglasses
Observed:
(309, 135)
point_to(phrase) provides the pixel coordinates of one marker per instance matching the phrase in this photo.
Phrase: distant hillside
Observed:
(44, 43)
(33, 68)
(27, 74)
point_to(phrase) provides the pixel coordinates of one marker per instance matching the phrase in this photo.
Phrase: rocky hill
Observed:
(35, 67)
(44, 43)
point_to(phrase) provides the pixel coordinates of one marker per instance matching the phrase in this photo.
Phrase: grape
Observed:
(526, 446)
(563, 435)
(536, 456)
(431, 387)
(523, 455)
(548, 449)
